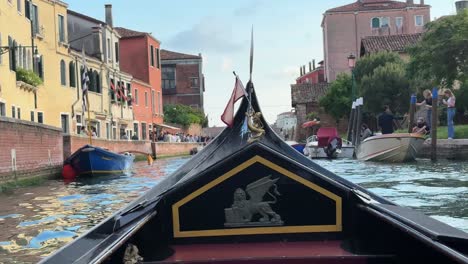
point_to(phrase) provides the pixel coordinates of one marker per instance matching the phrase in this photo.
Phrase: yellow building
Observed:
(42, 24)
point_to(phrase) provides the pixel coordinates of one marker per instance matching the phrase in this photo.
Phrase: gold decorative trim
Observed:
(257, 230)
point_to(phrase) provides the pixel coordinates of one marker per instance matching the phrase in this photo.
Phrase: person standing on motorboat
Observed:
(450, 103)
(427, 102)
(386, 120)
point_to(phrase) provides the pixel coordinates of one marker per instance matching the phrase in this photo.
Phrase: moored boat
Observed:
(397, 147)
(91, 161)
(254, 199)
(328, 144)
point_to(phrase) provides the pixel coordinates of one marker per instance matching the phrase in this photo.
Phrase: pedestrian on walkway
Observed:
(450, 103)
(427, 103)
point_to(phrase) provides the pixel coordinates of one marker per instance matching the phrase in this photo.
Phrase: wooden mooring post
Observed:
(412, 111)
(435, 102)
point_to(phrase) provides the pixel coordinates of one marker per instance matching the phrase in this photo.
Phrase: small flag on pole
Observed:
(84, 81)
(239, 91)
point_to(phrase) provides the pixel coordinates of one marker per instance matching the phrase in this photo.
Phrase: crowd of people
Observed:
(423, 125)
(181, 137)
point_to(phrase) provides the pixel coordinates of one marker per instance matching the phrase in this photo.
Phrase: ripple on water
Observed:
(50, 236)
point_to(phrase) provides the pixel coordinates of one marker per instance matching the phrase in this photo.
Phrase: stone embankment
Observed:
(452, 149)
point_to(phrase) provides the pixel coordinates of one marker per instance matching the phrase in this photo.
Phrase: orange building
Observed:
(140, 56)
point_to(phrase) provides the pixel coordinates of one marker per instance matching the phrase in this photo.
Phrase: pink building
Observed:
(345, 26)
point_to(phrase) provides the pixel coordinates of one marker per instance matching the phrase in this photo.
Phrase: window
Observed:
(18, 5)
(1, 44)
(63, 76)
(79, 124)
(152, 55)
(146, 99)
(168, 77)
(11, 57)
(380, 22)
(135, 129)
(34, 16)
(113, 91)
(13, 112)
(129, 92)
(32, 116)
(71, 72)
(399, 22)
(61, 28)
(419, 21)
(159, 103)
(158, 59)
(114, 133)
(143, 131)
(153, 102)
(136, 96)
(27, 9)
(194, 83)
(64, 121)
(116, 52)
(107, 131)
(18, 111)
(96, 126)
(40, 67)
(109, 51)
(2, 109)
(40, 117)
(375, 22)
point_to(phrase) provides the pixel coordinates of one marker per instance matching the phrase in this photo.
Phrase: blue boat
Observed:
(91, 161)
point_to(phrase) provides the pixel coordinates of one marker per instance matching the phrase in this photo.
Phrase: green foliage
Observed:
(184, 115)
(366, 65)
(387, 85)
(312, 115)
(337, 101)
(442, 54)
(28, 77)
(462, 97)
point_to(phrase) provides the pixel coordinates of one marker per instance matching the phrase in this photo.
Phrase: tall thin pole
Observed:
(435, 101)
(411, 113)
(251, 53)
(90, 133)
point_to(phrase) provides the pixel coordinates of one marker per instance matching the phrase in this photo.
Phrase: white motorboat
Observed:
(398, 147)
(327, 144)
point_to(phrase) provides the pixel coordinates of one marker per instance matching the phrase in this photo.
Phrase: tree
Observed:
(387, 85)
(442, 54)
(366, 65)
(337, 101)
(184, 115)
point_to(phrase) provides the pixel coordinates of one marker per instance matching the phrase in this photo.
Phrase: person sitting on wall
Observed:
(124, 136)
(421, 127)
(93, 133)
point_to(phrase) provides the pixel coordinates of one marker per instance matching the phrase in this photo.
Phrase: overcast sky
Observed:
(287, 35)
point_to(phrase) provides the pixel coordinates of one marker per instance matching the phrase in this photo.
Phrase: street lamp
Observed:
(351, 65)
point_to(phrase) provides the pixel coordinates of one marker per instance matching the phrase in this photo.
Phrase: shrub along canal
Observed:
(38, 220)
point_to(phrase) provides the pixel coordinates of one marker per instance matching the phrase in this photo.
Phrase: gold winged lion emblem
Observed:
(244, 210)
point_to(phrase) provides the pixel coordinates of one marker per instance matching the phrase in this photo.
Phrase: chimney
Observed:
(97, 42)
(422, 2)
(313, 64)
(410, 2)
(303, 69)
(461, 5)
(310, 66)
(300, 70)
(109, 15)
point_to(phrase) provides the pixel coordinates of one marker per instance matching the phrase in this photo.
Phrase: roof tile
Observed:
(371, 5)
(396, 43)
(171, 55)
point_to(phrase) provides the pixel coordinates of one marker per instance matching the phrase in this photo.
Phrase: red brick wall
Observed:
(32, 142)
(72, 143)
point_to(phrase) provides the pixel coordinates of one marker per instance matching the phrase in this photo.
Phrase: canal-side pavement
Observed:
(452, 149)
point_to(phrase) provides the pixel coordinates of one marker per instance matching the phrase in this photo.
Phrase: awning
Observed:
(310, 124)
(167, 126)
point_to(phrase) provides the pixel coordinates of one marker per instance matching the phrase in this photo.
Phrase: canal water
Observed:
(36, 221)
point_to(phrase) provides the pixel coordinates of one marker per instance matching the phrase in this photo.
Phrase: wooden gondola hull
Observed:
(260, 201)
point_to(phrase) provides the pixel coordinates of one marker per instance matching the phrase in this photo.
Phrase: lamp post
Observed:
(351, 65)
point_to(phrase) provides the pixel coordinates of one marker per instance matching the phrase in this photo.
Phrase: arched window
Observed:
(97, 82)
(71, 69)
(375, 22)
(63, 75)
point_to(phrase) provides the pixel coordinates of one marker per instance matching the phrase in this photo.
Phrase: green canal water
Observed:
(36, 221)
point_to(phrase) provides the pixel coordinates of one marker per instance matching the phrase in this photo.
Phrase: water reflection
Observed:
(36, 221)
(438, 189)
